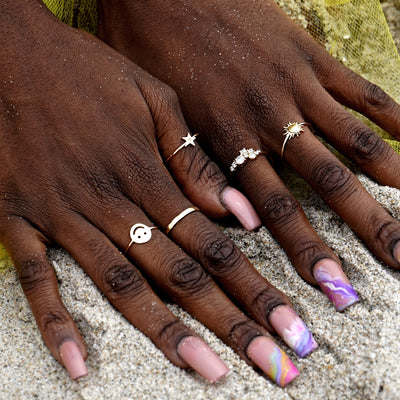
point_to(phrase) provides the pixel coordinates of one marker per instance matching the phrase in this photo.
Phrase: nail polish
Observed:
(335, 284)
(72, 359)
(292, 330)
(202, 359)
(240, 207)
(272, 360)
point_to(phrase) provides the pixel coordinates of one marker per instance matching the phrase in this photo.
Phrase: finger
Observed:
(342, 191)
(129, 292)
(352, 138)
(39, 283)
(186, 282)
(353, 91)
(194, 233)
(286, 220)
(198, 177)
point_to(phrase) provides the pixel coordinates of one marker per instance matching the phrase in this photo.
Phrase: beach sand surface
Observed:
(359, 349)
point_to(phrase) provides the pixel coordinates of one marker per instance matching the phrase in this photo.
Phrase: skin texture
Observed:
(84, 133)
(243, 70)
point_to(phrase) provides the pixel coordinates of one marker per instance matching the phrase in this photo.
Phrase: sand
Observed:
(358, 355)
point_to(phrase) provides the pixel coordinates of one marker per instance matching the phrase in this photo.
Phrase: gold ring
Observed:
(179, 217)
(189, 140)
(291, 130)
(139, 233)
(241, 159)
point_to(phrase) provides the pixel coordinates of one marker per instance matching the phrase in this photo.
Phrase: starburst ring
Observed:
(291, 130)
(189, 140)
(244, 155)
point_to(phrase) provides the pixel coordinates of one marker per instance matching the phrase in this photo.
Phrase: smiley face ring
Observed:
(139, 233)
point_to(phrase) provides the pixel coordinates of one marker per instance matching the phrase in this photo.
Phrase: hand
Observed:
(243, 70)
(84, 133)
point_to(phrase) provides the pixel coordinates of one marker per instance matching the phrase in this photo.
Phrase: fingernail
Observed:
(335, 284)
(73, 360)
(240, 207)
(292, 330)
(202, 359)
(272, 360)
(396, 252)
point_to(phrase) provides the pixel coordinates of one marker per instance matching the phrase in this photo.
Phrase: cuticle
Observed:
(249, 340)
(392, 246)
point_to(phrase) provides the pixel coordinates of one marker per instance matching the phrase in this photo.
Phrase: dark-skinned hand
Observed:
(86, 141)
(243, 71)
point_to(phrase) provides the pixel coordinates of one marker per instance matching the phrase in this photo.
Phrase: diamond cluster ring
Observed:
(243, 156)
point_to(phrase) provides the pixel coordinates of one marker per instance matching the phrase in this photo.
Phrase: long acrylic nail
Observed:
(292, 330)
(272, 360)
(335, 284)
(240, 207)
(72, 359)
(202, 359)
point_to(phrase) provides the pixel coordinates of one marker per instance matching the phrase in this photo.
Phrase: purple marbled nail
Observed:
(292, 330)
(335, 284)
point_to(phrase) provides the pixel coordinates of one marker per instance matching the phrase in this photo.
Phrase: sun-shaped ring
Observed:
(291, 130)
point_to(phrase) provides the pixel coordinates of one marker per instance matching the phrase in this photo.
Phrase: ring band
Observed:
(291, 130)
(243, 156)
(180, 216)
(139, 233)
(189, 140)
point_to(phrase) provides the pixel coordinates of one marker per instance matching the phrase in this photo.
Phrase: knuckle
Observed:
(310, 252)
(242, 332)
(280, 208)
(222, 256)
(124, 281)
(188, 276)
(387, 232)
(52, 320)
(172, 332)
(168, 97)
(376, 98)
(32, 273)
(333, 180)
(259, 101)
(368, 146)
(266, 300)
(206, 171)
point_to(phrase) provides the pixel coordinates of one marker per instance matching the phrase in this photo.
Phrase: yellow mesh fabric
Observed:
(353, 31)
(80, 14)
(356, 33)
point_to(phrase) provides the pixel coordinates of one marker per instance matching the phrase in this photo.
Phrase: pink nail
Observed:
(335, 284)
(396, 252)
(202, 359)
(272, 360)
(73, 360)
(241, 208)
(292, 330)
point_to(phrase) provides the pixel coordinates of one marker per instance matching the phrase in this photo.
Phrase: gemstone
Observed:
(240, 160)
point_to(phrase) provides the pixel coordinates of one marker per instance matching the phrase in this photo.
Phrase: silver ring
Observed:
(139, 233)
(189, 141)
(244, 155)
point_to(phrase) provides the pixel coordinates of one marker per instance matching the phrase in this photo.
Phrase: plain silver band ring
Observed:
(180, 216)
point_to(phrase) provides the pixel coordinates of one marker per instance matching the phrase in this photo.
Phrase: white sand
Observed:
(358, 357)
(359, 349)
